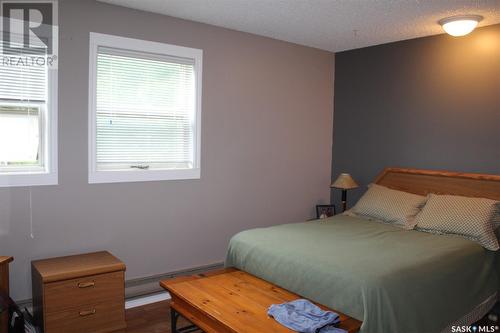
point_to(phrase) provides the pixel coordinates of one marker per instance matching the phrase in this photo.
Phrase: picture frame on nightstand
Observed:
(325, 211)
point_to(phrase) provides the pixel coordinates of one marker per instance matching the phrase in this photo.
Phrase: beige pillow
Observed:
(390, 206)
(471, 218)
(496, 216)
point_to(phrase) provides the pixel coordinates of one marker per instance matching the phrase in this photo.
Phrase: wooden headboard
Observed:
(424, 182)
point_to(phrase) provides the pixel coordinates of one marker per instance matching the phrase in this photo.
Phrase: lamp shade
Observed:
(345, 182)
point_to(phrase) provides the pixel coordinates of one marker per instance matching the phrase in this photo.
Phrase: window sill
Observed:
(28, 179)
(125, 176)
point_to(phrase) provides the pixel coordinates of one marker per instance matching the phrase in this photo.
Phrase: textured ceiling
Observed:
(334, 25)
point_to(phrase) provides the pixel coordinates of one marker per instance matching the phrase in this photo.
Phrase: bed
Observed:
(394, 280)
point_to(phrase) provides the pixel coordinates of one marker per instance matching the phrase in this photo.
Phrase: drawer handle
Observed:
(87, 313)
(86, 284)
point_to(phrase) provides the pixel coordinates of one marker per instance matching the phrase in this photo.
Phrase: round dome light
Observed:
(460, 25)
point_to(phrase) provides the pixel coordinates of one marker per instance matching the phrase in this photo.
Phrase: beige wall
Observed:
(266, 153)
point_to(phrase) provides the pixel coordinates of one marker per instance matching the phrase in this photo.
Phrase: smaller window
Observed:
(144, 110)
(28, 123)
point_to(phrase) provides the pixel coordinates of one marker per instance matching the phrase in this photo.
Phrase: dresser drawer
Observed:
(75, 293)
(102, 317)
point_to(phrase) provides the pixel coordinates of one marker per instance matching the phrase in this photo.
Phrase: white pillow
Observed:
(390, 206)
(471, 218)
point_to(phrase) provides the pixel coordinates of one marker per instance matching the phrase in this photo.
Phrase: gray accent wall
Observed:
(431, 103)
(265, 153)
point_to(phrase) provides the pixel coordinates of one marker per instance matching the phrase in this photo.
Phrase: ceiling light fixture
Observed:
(460, 25)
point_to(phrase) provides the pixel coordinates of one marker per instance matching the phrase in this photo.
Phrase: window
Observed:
(28, 123)
(144, 110)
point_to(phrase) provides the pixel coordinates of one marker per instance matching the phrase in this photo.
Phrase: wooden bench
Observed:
(230, 300)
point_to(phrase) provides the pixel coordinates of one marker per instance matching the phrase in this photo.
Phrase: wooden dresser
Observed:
(4, 285)
(81, 293)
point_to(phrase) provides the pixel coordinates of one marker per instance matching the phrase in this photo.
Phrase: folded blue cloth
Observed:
(303, 316)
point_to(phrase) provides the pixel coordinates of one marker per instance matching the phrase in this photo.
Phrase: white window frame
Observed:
(137, 175)
(48, 174)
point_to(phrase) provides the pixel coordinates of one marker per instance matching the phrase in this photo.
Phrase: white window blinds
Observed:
(23, 99)
(145, 111)
(23, 83)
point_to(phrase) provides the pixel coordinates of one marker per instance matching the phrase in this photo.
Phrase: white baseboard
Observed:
(144, 300)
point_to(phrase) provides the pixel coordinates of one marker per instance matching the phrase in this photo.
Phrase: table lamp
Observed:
(344, 182)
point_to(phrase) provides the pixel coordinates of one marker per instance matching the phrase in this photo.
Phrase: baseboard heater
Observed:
(150, 285)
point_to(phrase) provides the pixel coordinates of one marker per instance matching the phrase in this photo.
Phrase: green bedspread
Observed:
(395, 281)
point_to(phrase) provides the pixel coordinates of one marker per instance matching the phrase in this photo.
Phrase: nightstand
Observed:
(4, 285)
(81, 293)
